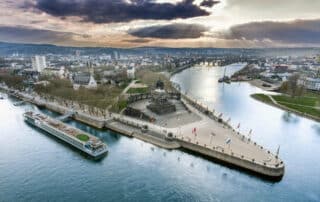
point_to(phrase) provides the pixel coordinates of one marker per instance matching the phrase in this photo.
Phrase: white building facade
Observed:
(310, 83)
(38, 63)
(131, 73)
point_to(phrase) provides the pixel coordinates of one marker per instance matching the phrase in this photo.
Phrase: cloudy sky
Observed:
(170, 23)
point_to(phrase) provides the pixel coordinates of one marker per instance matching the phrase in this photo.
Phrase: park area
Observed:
(150, 78)
(102, 97)
(308, 104)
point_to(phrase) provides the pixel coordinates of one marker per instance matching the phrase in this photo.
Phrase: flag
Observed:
(238, 125)
(220, 115)
(250, 131)
(228, 141)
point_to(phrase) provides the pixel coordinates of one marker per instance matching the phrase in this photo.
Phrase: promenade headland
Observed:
(206, 135)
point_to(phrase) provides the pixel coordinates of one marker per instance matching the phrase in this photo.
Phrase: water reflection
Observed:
(290, 118)
(316, 127)
(33, 167)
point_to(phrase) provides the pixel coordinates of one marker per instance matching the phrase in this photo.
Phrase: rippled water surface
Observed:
(35, 166)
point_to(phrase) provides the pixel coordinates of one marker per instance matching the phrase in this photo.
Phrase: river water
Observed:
(35, 166)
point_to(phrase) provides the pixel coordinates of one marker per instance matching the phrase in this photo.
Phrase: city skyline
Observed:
(176, 23)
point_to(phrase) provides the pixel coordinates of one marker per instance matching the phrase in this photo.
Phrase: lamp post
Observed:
(212, 134)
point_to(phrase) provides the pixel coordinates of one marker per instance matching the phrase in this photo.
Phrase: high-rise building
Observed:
(38, 63)
(115, 55)
(77, 53)
(131, 72)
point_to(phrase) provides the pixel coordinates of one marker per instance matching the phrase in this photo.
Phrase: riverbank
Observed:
(299, 106)
(263, 85)
(244, 154)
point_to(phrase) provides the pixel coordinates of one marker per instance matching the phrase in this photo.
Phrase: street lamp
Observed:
(212, 134)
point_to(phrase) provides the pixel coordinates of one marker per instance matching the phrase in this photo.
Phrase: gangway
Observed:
(66, 116)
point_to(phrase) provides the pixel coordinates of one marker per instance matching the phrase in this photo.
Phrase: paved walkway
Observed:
(214, 134)
(128, 87)
(272, 99)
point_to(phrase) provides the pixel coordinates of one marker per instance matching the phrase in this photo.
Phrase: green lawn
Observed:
(308, 101)
(303, 109)
(137, 90)
(122, 104)
(262, 97)
(83, 137)
(308, 104)
(150, 78)
(124, 84)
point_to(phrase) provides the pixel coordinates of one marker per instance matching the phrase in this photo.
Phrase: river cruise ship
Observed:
(77, 138)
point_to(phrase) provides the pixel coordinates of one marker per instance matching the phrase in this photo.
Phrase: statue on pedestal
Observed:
(160, 103)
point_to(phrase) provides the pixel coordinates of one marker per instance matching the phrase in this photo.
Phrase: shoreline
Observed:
(154, 134)
(259, 84)
(279, 106)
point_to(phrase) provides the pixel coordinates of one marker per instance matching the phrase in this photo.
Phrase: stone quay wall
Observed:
(256, 167)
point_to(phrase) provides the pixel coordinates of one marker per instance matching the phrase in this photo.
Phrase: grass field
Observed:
(307, 101)
(150, 78)
(262, 97)
(308, 104)
(304, 109)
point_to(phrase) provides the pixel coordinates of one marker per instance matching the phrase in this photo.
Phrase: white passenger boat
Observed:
(77, 138)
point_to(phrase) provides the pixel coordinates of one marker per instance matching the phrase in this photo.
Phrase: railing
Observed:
(226, 151)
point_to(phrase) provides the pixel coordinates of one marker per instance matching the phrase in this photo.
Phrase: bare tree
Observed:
(293, 85)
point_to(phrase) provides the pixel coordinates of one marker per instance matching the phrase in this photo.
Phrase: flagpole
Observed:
(278, 150)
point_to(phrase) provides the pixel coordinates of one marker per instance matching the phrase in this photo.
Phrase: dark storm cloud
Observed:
(137, 40)
(107, 11)
(172, 31)
(298, 31)
(209, 3)
(23, 34)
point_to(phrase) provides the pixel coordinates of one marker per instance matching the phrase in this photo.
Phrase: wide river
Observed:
(37, 167)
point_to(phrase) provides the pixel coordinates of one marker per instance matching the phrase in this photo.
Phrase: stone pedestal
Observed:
(160, 103)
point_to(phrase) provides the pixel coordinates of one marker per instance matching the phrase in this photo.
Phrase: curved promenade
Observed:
(220, 141)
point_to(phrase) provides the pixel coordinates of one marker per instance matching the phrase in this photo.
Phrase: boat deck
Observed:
(71, 131)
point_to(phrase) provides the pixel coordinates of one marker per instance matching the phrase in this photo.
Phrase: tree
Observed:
(293, 85)
(97, 76)
(301, 90)
(284, 88)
